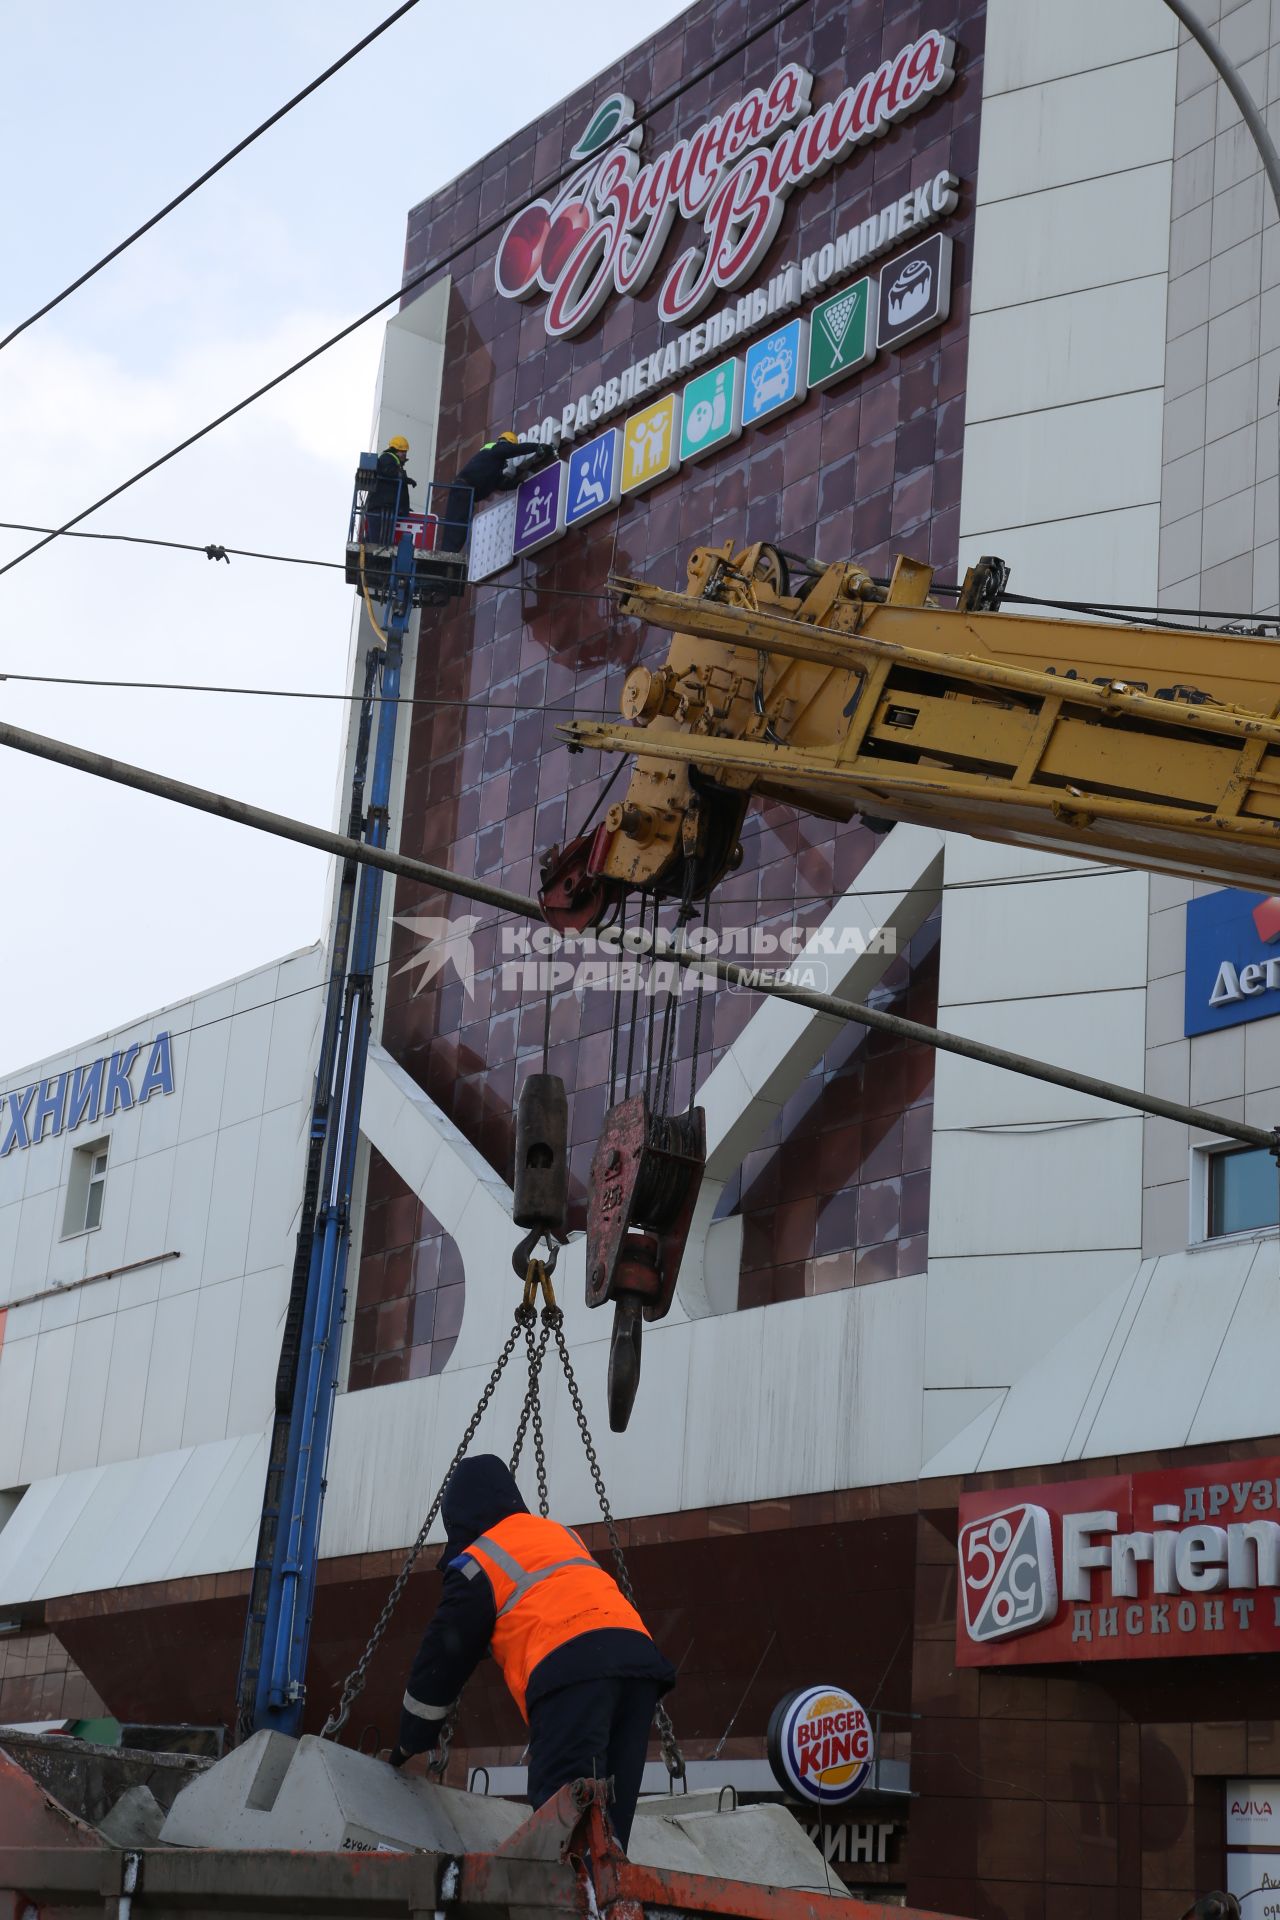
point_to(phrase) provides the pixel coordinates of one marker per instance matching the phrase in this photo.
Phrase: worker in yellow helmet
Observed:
(389, 494)
(486, 473)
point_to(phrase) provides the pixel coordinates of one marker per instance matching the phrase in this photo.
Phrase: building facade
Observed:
(964, 1402)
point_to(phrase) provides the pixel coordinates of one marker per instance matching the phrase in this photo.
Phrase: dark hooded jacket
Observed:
(480, 1493)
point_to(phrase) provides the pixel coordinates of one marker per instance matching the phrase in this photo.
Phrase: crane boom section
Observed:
(1129, 745)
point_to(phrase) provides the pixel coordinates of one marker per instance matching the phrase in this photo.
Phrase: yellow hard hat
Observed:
(507, 436)
(398, 444)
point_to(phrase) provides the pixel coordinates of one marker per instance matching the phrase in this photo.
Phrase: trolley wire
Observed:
(208, 174)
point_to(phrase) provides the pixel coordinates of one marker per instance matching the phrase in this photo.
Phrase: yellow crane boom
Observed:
(1131, 745)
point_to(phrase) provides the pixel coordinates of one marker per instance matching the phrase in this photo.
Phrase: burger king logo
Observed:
(820, 1745)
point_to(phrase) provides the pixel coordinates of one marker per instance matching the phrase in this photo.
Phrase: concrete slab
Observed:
(762, 1845)
(274, 1792)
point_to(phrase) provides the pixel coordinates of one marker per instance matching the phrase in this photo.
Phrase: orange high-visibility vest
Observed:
(546, 1589)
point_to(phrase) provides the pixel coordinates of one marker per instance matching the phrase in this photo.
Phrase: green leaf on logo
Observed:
(610, 117)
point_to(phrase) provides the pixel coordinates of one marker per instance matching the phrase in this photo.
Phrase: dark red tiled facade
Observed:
(837, 1195)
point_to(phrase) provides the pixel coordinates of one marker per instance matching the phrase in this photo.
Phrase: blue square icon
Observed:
(595, 477)
(775, 374)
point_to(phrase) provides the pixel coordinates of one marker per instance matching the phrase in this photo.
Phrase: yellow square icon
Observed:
(651, 444)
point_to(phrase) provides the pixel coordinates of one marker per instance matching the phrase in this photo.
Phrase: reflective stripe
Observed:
(522, 1579)
(528, 1580)
(509, 1564)
(420, 1710)
(465, 1565)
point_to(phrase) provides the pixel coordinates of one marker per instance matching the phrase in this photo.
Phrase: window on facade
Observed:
(1243, 1191)
(86, 1188)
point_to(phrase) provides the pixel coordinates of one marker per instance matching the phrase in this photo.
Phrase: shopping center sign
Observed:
(1233, 959)
(606, 229)
(1132, 1567)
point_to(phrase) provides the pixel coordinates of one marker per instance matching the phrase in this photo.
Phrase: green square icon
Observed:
(712, 410)
(841, 338)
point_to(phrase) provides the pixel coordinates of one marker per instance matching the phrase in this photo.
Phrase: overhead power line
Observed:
(1130, 614)
(208, 174)
(418, 279)
(204, 800)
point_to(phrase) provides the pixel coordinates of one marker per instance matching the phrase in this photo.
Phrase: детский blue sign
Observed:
(1233, 960)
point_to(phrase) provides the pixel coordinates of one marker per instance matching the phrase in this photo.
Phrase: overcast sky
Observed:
(114, 904)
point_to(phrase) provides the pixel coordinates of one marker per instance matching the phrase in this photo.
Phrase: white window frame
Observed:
(1199, 1235)
(80, 1184)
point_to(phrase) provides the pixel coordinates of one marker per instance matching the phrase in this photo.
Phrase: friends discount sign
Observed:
(605, 230)
(820, 1745)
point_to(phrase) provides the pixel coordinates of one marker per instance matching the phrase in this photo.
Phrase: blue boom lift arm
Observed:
(395, 560)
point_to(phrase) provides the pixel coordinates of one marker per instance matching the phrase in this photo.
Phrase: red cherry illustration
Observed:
(521, 249)
(567, 229)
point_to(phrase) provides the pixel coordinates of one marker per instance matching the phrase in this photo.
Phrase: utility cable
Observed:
(211, 550)
(209, 172)
(418, 279)
(303, 693)
(1129, 613)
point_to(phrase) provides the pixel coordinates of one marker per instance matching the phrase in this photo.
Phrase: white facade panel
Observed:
(86, 1395)
(991, 1316)
(1101, 456)
(1031, 139)
(1093, 345)
(1035, 939)
(1026, 45)
(1008, 1192)
(1072, 239)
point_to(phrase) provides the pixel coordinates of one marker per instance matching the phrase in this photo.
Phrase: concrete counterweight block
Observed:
(312, 1795)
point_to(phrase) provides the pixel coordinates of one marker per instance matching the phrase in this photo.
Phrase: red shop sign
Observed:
(1133, 1567)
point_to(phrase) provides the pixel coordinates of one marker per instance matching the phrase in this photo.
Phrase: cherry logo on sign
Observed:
(1008, 1580)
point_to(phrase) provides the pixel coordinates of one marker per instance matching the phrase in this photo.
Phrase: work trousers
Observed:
(595, 1730)
(456, 525)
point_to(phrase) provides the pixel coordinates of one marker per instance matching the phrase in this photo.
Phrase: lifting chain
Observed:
(552, 1317)
(537, 1280)
(353, 1685)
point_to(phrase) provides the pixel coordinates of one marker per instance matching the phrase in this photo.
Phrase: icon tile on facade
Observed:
(915, 291)
(651, 444)
(595, 478)
(842, 335)
(540, 502)
(711, 413)
(774, 378)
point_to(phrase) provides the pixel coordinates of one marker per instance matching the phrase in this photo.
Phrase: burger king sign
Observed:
(820, 1745)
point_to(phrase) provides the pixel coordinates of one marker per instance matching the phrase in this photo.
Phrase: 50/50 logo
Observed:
(1008, 1580)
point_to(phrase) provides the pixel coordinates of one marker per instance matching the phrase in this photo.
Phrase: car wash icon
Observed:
(775, 373)
(1008, 1579)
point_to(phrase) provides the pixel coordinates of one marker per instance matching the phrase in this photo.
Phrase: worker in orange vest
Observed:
(576, 1656)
